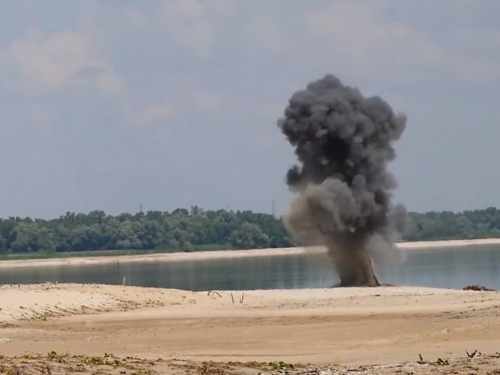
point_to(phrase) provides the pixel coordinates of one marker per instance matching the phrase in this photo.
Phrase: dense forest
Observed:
(197, 229)
(447, 225)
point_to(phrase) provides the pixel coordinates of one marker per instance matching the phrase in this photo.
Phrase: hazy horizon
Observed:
(105, 105)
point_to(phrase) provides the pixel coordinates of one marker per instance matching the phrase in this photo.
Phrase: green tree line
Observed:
(180, 230)
(447, 225)
(197, 229)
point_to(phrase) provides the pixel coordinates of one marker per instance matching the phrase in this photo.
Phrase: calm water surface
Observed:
(440, 267)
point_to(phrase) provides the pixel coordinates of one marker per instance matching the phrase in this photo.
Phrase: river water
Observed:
(438, 267)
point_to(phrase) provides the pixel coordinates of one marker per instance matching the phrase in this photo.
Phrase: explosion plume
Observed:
(343, 142)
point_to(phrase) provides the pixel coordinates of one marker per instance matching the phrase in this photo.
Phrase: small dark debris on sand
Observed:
(478, 288)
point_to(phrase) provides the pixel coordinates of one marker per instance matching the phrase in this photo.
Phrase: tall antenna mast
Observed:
(273, 209)
(140, 208)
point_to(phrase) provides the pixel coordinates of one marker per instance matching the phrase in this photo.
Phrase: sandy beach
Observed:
(225, 254)
(321, 327)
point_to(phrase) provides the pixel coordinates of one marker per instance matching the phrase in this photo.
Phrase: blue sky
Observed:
(108, 104)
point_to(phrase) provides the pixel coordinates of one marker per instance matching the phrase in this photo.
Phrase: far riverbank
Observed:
(206, 255)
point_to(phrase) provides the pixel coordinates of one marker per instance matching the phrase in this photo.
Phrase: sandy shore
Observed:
(353, 326)
(206, 255)
(322, 327)
(449, 243)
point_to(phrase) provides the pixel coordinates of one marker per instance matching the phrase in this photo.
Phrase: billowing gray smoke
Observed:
(343, 142)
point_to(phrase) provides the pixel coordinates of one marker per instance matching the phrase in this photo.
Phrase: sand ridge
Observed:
(51, 300)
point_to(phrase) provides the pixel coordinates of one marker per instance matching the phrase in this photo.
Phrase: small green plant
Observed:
(277, 366)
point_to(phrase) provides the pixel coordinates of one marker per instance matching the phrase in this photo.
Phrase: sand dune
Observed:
(205, 255)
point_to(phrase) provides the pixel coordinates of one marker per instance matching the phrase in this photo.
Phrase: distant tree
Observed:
(31, 237)
(448, 225)
(3, 243)
(249, 236)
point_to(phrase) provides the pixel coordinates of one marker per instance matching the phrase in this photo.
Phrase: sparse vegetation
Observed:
(108, 364)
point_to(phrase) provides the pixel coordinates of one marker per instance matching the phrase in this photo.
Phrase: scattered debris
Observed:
(473, 354)
(442, 362)
(478, 288)
(214, 292)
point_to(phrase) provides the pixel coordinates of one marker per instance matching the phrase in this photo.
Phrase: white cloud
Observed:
(111, 83)
(358, 30)
(192, 23)
(357, 27)
(185, 20)
(152, 114)
(52, 62)
(268, 36)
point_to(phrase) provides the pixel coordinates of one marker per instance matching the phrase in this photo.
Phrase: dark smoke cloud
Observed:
(343, 142)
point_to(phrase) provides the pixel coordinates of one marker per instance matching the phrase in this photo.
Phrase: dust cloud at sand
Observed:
(343, 142)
